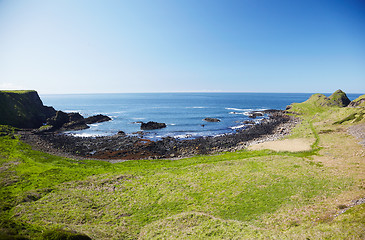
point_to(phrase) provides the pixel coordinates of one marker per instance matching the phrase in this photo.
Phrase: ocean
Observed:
(183, 113)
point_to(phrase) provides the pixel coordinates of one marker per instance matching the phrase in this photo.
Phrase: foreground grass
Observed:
(246, 194)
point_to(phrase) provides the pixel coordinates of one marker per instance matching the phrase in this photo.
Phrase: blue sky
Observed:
(182, 46)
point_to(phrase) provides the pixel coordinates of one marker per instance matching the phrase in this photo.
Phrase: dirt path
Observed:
(288, 145)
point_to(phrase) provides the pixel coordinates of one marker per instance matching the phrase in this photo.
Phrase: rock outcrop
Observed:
(97, 119)
(358, 102)
(255, 114)
(337, 99)
(152, 125)
(23, 109)
(211, 119)
(71, 122)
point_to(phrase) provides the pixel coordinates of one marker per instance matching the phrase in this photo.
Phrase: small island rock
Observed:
(211, 119)
(97, 119)
(152, 125)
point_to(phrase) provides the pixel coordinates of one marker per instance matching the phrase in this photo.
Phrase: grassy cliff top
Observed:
(319, 103)
(22, 109)
(17, 91)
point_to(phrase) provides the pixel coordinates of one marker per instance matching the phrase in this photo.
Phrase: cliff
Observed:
(23, 109)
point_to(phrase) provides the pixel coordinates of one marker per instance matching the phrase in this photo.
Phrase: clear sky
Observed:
(86, 46)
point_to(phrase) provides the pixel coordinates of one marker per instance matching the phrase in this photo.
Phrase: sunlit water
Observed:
(183, 113)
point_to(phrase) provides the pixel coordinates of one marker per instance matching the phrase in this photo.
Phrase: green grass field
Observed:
(240, 195)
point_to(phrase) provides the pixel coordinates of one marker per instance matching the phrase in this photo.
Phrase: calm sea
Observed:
(183, 113)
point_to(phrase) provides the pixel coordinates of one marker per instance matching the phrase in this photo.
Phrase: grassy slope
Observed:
(247, 194)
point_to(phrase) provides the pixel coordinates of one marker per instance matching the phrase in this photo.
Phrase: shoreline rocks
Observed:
(124, 147)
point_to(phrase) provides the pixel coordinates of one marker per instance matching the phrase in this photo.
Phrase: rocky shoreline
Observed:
(122, 147)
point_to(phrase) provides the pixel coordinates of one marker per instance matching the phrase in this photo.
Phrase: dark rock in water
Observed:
(255, 114)
(97, 119)
(23, 109)
(121, 133)
(58, 120)
(211, 119)
(152, 125)
(248, 122)
(288, 107)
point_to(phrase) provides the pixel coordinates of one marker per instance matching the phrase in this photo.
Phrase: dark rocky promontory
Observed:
(23, 109)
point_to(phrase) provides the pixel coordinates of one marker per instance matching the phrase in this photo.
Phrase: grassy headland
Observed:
(241, 195)
(23, 109)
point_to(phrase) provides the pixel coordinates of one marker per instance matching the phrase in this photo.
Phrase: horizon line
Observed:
(85, 93)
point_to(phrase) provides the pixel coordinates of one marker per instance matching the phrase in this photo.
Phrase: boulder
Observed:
(248, 122)
(121, 133)
(208, 119)
(152, 125)
(255, 114)
(97, 119)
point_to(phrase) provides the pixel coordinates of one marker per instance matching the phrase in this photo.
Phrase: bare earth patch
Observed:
(358, 131)
(288, 145)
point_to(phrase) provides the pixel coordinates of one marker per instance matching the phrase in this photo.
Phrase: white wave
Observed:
(236, 127)
(238, 113)
(86, 135)
(136, 118)
(187, 135)
(238, 109)
(195, 107)
(171, 124)
(72, 111)
(118, 112)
